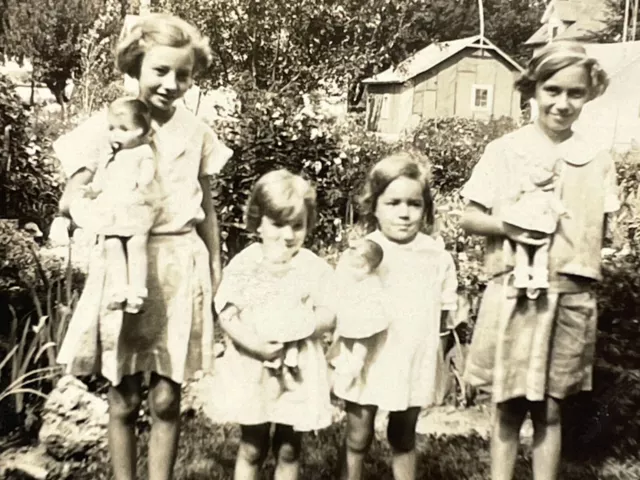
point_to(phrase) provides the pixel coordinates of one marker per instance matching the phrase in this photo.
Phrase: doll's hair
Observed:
(130, 113)
(556, 56)
(282, 197)
(407, 164)
(160, 29)
(373, 252)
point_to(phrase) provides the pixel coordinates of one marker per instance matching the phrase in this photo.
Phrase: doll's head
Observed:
(364, 256)
(129, 123)
(282, 210)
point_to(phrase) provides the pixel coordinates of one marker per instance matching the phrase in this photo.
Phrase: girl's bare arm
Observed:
(73, 187)
(210, 233)
(245, 337)
(476, 220)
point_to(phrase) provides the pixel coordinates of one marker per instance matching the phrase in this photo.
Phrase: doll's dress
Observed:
(360, 310)
(534, 209)
(122, 207)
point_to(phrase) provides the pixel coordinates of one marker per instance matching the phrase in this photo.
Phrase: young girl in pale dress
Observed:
(536, 352)
(173, 337)
(282, 211)
(419, 287)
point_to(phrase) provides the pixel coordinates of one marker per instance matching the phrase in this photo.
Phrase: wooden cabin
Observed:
(469, 77)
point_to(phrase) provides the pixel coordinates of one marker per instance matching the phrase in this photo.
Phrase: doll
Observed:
(360, 313)
(538, 208)
(120, 203)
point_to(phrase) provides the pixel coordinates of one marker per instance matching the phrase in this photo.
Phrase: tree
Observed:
(47, 32)
(278, 45)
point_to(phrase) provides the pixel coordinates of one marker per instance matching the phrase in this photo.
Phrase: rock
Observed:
(27, 463)
(74, 421)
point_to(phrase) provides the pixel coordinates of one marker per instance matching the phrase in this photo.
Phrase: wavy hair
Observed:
(556, 56)
(160, 29)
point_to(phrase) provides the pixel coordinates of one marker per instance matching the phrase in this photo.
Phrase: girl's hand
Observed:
(267, 350)
(525, 237)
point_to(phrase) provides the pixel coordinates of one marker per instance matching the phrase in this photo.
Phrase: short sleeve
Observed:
(83, 146)
(215, 154)
(611, 197)
(484, 181)
(233, 280)
(450, 285)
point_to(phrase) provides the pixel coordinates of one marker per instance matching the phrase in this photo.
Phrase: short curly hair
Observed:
(407, 164)
(282, 197)
(160, 29)
(555, 56)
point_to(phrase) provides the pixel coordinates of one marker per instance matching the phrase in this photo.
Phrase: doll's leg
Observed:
(137, 267)
(540, 267)
(291, 352)
(351, 365)
(521, 269)
(117, 268)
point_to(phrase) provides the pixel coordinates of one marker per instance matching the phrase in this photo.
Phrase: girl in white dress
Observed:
(419, 288)
(173, 337)
(256, 284)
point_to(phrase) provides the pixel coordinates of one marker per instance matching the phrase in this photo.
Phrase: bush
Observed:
(30, 184)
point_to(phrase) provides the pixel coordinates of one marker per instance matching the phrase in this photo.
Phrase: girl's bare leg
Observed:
(164, 404)
(401, 433)
(359, 435)
(505, 437)
(286, 448)
(117, 271)
(138, 268)
(547, 439)
(254, 448)
(125, 400)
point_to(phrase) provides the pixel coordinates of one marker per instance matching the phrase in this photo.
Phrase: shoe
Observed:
(291, 358)
(521, 278)
(136, 301)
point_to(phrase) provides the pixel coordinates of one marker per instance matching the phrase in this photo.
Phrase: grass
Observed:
(207, 452)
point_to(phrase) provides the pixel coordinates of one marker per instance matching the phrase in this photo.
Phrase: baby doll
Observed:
(121, 203)
(360, 314)
(282, 314)
(538, 209)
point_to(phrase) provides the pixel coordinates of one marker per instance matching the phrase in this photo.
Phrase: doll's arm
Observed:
(147, 171)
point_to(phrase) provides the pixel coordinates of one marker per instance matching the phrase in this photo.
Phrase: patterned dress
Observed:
(252, 394)
(534, 348)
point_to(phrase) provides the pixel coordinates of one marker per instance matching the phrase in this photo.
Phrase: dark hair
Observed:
(281, 196)
(130, 113)
(402, 164)
(556, 56)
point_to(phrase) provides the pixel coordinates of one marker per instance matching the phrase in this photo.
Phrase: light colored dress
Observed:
(419, 281)
(173, 337)
(533, 348)
(252, 393)
(127, 204)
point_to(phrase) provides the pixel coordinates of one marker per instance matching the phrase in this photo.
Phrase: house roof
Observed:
(433, 55)
(583, 18)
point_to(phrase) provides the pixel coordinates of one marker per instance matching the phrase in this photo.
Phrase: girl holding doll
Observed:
(282, 210)
(537, 350)
(173, 337)
(418, 287)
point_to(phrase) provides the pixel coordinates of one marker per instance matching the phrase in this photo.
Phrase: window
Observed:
(482, 97)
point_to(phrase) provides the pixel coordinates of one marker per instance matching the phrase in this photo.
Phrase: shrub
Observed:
(30, 184)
